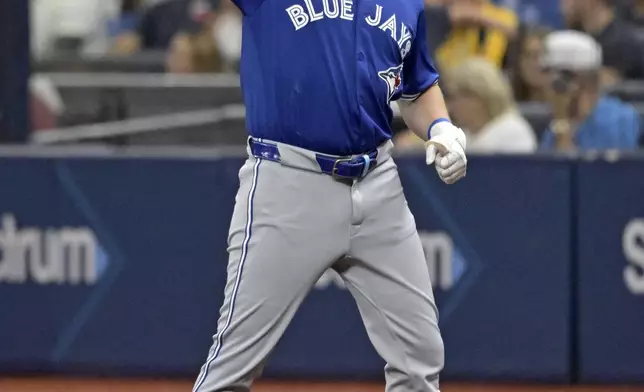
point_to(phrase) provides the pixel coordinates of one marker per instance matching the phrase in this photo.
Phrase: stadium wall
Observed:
(116, 266)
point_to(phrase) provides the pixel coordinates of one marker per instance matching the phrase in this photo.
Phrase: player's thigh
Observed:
(288, 226)
(387, 241)
(395, 278)
(391, 277)
(392, 288)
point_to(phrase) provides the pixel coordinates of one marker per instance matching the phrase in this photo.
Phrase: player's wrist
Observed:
(435, 123)
(447, 134)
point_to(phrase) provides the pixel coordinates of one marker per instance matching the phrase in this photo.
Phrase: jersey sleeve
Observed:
(419, 72)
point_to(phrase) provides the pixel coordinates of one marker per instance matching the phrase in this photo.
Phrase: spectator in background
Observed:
(193, 53)
(189, 26)
(623, 55)
(85, 27)
(228, 33)
(584, 118)
(529, 80)
(131, 11)
(480, 101)
(161, 22)
(633, 11)
(462, 29)
(45, 103)
(71, 26)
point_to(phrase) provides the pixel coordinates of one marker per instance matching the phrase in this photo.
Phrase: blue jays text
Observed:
(302, 15)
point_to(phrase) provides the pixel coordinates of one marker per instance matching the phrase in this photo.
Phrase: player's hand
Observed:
(446, 150)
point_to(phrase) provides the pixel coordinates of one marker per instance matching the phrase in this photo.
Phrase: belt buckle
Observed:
(334, 171)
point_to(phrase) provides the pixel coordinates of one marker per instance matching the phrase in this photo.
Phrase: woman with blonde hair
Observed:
(482, 103)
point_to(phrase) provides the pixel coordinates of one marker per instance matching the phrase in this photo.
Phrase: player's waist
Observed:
(344, 167)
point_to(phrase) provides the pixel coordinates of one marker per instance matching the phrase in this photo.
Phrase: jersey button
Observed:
(360, 56)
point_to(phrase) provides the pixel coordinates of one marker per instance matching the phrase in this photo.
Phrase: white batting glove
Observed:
(446, 149)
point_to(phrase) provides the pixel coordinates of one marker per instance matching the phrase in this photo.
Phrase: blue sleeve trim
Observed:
(421, 91)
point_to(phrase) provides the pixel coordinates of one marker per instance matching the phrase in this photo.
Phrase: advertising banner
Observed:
(611, 271)
(117, 266)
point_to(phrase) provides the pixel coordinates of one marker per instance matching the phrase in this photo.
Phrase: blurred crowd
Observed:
(491, 62)
(196, 36)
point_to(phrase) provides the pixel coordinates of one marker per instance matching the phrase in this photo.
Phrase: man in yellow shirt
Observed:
(472, 28)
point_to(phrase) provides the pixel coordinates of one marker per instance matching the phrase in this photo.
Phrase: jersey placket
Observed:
(362, 68)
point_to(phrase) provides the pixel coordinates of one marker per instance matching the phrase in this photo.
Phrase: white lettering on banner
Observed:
(439, 251)
(633, 247)
(302, 15)
(50, 256)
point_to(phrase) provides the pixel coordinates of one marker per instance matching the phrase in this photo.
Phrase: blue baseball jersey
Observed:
(320, 74)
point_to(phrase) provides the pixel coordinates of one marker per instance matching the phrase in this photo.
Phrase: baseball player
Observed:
(320, 186)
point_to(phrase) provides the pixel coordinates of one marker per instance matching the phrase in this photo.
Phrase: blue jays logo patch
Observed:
(393, 78)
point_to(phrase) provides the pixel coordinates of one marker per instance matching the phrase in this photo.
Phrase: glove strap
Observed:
(437, 121)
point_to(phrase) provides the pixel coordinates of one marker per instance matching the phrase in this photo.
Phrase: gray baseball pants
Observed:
(290, 224)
